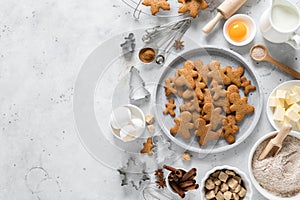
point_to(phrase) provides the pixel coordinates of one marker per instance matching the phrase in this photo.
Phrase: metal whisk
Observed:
(164, 36)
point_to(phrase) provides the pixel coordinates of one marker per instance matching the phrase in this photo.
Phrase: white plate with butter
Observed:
(284, 105)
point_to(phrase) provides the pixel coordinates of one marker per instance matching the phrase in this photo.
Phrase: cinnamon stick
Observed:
(187, 183)
(192, 187)
(177, 189)
(189, 174)
(179, 173)
(172, 169)
(192, 177)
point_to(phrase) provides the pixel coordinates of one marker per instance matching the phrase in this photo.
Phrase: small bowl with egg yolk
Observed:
(239, 30)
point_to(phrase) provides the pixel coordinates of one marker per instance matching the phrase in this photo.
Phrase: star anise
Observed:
(161, 183)
(159, 174)
(178, 44)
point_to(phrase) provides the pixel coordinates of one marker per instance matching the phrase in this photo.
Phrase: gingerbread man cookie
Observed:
(231, 89)
(229, 129)
(200, 85)
(207, 96)
(235, 74)
(193, 6)
(204, 132)
(191, 106)
(240, 106)
(217, 118)
(188, 94)
(223, 73)
(148, 146)
(170, 107)
(202, 70)
(207, 111)
(246, 84)
(170, 86)
(183, 125)
(189, 73)
(214, 73)
(156, 5)
(217, 89)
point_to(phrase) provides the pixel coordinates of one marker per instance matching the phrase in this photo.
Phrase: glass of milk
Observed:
(279, 23)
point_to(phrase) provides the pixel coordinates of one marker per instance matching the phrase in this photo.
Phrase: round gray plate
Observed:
(206, 55)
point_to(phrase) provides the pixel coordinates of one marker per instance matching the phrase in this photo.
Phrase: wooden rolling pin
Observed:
(226, 10)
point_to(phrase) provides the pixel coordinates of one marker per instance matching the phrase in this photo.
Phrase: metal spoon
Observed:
(260, 53)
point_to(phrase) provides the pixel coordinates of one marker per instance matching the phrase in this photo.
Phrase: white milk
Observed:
(284, 17)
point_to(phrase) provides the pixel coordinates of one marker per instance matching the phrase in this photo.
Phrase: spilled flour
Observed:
(279, 175)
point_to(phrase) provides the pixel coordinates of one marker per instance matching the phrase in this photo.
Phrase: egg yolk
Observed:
(237, 31)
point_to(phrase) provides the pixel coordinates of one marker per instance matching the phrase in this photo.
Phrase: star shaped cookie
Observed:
(193, 6)
(156, 5)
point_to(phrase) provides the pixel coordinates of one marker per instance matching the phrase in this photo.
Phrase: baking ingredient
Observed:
(258, 53)
(120, 117)
(280, 14)
(285, 105)
(224, 184)
(237, 31)
(149, 119)
(182, 181)
(279, 175)
(147, 55)
(160, 178)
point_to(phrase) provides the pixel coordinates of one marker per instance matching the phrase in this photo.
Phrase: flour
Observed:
(258, 53)
(279, 175)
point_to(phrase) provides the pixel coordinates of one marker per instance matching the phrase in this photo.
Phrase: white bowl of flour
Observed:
(277, 178)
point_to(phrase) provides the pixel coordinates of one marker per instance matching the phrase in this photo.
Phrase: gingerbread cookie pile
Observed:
(212, 105)
(191, 6)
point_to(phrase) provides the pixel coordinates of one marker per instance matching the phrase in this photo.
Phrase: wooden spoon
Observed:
(260, 53)
(275, 144)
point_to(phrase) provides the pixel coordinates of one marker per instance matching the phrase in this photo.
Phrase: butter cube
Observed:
(279, 102)
(286, 120)
(272, 101)
(292, 98)
(296, 89)
(281, 94)
(292, 114)
(295, 107)
(279, 114)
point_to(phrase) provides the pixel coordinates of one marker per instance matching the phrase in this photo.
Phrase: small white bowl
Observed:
(285, 85)
(251, 29)
(261, 190)
(174, 195)
(244, 177)
(136, 114)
